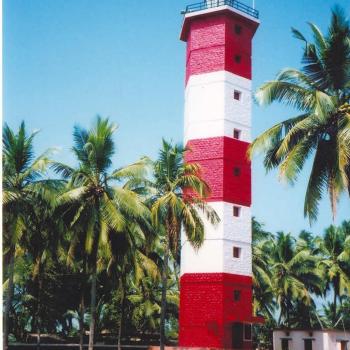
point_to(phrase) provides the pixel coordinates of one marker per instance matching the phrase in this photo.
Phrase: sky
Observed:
(65, 61)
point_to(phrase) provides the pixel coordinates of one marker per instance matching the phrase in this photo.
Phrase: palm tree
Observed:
(342, 314)
(294, 275)
(101, 203)
(73, 254)
(263, 301)
(131, 264)
(305, 316)
(41, 235)
(22, 182)
(335, 253)
(176, 205)
(145, 300)
(320, 91)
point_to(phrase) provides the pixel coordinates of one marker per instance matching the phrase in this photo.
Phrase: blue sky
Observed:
(66, 61)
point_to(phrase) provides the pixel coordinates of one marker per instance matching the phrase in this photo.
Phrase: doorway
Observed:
(237, 335)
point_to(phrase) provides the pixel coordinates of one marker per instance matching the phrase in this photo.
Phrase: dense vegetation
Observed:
(68, 271)
(303, 281)
(294, 276)
(94, 248)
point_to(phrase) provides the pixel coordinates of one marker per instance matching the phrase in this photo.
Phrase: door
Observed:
(237, 335)
(344, 345)
(307, 344)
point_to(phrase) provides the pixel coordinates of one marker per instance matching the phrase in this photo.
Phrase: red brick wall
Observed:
(218, 156)
(212, 45)
(207, 308)
(239, 44)
(206, 46)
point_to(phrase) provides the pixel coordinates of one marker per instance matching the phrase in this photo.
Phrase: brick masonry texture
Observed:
(218, 63)
(213, 44)
(218, 158)
(207, 308)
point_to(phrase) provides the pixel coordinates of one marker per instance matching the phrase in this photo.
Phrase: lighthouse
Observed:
(216, 280)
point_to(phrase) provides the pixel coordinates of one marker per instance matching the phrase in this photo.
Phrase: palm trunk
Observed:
(176, 275)
(81, 320)
(82, 309)
(334, 306)
(121, 316)
(9, 300)
(38, 338)
(93, 308)
(38, 325)
(164, 290)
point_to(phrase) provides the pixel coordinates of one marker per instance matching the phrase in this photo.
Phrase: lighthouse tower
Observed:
(216, 280)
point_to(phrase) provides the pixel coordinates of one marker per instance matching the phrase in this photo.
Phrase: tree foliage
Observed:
(320, 91)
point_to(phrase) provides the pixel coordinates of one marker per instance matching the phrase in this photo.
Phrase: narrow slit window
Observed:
(238, 58)
(236, 295)
(236, 252)
(236, 134)
(236, 211)
(237, 95)
(238, 29)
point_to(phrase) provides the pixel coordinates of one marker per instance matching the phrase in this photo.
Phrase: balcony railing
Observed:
(208, 4)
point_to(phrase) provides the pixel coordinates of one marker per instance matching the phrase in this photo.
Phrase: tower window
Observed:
(237, 95)
(238, 58)
(236, 295)
(236, 211)
(247, 331)
(238, 29)
(236, 134)
(236, 171)
(236, 252)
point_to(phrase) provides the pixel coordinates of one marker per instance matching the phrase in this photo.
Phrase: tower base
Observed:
(215, 311)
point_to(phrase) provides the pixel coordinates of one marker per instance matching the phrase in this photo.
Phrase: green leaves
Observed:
(179, 197)
(23, 183)
(94, 148)
(288, 273)
(291, 94)
(320, 90)
(18, 148)
(135, 171)
(284, 271)
(177, 203)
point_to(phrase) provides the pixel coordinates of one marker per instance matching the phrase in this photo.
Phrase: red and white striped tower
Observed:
(216, 280)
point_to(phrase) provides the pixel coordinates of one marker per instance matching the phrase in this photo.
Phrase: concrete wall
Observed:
(210, 107)
(322, 340)
(216, 254)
